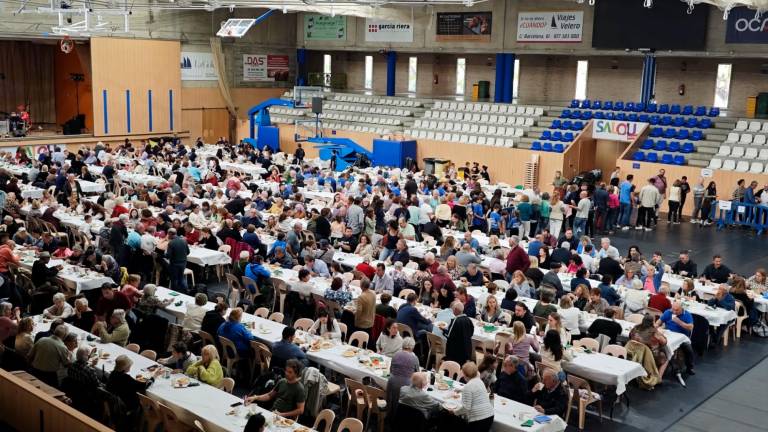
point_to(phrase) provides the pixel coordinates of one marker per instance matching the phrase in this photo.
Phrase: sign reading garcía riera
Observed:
(617, 130)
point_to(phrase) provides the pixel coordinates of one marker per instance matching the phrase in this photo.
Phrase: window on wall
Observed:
(581, 79)
(327, 64)
(413, 64)
(515, 78)
(461, 70)
(722, 85)
(368, 80)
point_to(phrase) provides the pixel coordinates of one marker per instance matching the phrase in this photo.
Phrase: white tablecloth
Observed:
(71, 275)
(248, 168)
(207, 257)
(605, 369)
(91, 187)
(28, 191)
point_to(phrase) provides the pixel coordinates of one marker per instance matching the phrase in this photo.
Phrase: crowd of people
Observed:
(141, 232)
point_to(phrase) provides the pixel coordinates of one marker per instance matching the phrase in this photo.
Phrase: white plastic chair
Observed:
(715, 163)
(742, 125)
(756, 168)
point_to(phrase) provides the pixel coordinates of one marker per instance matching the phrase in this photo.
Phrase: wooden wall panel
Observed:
(137, 66)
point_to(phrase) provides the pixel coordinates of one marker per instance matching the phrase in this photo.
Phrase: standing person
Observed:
(459, 335)
(660, 181)
(476, 405)
(366, 308)
(685, 189)
(673, 216)
(648, 197)
(613, 209)
(556, 215)
(615, 176)
(299, 154)
(559, 183)
(582, 213)
(600, 198)
(710, 195)
(698, 198)
(177, 253)
(626, 199)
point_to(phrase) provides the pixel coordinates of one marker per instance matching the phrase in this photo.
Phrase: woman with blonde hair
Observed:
(24, 338)
(521, 343)
(491, 313)
(571, 317)
(556, 215)
(364, 248)
(448, 248)
(208, 369)
(758, 282)
(520, 284)
(555, 322)
(455, 270)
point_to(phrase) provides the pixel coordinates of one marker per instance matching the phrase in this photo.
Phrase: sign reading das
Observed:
(616, 130)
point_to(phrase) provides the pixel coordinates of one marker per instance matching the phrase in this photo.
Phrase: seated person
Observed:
(181, 358)
(549, 396)
(285, 350)
(384, 309)
(606, 326)
(208, 368)
(416, 395)
(660, 300)
(117, 332)
(511, 383)
(289, 394)
(236, 332)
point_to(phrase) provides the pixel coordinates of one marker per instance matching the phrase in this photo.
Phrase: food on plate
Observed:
(105, 355)
(349, 353)
(301, 429)
(442, 325)
(451, 405)
(442, 386)
(181, 382)
(283, 422)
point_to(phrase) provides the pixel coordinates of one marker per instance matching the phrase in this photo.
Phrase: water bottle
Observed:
(432, 376)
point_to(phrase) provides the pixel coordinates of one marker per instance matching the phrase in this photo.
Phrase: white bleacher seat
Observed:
(443, 114)
(481, 140)
(519, 121)
(451, 115)
(745, 138)
(455, 137)
(491, 129)
(737, 152)
(754, 126)
(724, 150)
(519, 133)
(764, 128)
(741, 125)
(464, 138)
(494, 108)
(501, 130)
(493, 119)
(715, 163)
(475, 117)
(476, 107)
(763, 154)
(742, 166)
(439, 136)
(510, 132)
(431, 135)
(460, 106)
(529, 111)
(538, 111)
(484, 118)
(432, 124)
(473, 139)
(733, 137)
(485, 108)
(729, 165)
(474, 128)
(440, 125)
(437, 104)
(483, 129)
(509, 143)
(465, 127)
(528, 122)
(759, 140)
(750, 153)
(756, 168)
(491, 141)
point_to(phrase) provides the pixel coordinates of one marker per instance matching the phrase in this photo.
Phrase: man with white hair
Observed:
(60, 309)
(83, 377)
(550, 396)
(49, 355)
(416, 396)
(118, 331)
(517, 259)
(459, 335)
(606, 249)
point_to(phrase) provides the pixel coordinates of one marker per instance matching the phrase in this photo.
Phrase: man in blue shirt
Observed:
(285, 350)
(626, 190)
(257, 272)
(410, 316)
(607, 292)
(535, 245)
(678, 320)
(316, 267)
(722, 299)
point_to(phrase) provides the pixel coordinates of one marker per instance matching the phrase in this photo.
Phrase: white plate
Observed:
(451, 405)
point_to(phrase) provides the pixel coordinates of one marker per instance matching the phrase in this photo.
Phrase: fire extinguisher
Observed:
(681, 90)
(435, 79)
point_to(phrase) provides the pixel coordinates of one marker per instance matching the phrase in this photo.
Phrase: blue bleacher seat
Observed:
(713, 112)
(546, 134)
(586, 103)
(639, 107)
(666, 120)
(643, 118)
(670, 133)
(688, 148)
(557, 124)
(674, 109)
(663, 109)
(697, 135)
(597, 104)
(652, 157)
(565, 114)
(674, 146)
(647, 144)
(679, 160)
(567, 125)
(654, 120)
(586, 115)
(660, 145)
(618, 106)
(576, 114)
(678, 121)
(656, 132)
(704, 123)
(700, 111)
(632, 117)
(629, 106)
(688, 110)
(651, 108)
(666, 159)
(559, 147)
(608, 105)
(577, 125)
(556, 136)
(599, 115)
(568, 137)
(536, 145)
(610, 115)
(574, 103)
(547, 146)
(621, 116)
(638, 156)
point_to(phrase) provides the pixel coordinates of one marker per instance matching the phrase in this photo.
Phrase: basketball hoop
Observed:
(66, 45)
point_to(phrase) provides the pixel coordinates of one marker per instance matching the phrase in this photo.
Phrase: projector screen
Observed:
(621, 24)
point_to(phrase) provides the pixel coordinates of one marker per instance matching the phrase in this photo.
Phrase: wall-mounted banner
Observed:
(388, 31)
(462, 27)
(197, 66)
(744, 27)
(265, 67)
(616, 130)
(550, 27)
(324, 27)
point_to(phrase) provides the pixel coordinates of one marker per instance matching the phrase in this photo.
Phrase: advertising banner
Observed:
(265, 67)
(324, 27)
(744, 26)
(388, 31)
(550, 27)
(464, 27)
(616, 130)
(197, 66)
